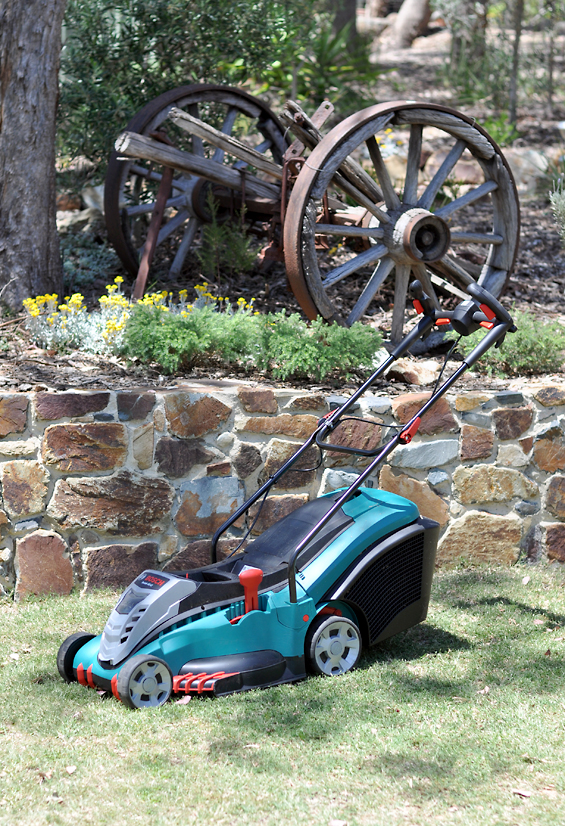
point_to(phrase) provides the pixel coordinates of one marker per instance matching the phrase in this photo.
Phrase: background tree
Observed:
(30, 42)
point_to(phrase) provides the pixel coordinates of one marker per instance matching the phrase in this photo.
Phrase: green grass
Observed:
(412, 737)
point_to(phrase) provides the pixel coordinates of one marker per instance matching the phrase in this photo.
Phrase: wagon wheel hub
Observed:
(419, 235)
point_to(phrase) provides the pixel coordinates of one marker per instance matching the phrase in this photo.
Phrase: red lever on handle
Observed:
(251, 578)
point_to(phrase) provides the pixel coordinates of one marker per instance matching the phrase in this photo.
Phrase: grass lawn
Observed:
(460, 720)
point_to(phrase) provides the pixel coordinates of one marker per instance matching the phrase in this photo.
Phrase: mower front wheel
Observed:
(67, 652)
(145, 682)
(333, 645)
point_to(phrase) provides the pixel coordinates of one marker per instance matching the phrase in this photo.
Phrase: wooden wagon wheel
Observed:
(342, 233)
(132, 184)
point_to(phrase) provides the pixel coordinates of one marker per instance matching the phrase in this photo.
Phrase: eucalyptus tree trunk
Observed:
(413, 17)
(345, 12)
(30, 45)
(551, 15)
(513, 94)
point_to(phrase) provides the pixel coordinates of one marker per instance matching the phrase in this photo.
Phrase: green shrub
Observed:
(284, 345)
(225, 246)
(85, 258)
(290, 347)
(534, 348)
(557, 199)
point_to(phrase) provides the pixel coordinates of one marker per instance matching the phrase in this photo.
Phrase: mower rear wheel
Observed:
(67, 652)
(333, 645)
(145, 682)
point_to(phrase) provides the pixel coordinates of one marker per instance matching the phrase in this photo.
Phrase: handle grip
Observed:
(484, 297)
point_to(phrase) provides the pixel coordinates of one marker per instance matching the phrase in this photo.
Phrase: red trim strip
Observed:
(80, 675)
(89, 677)
(441, 321)
(488, 324)
(418, 306)
(115, 687)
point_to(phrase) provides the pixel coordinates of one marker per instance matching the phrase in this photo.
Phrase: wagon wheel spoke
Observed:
(227, 127)
(142, 209)
(467, 199)
(453, 271)
(441, 176)
(382, 270)
(151, 175)
(476, 238)
(392, 200)
(349, 232)
(188, 237)
(423, 276)
(175, 222)
(400, 292)
(354, 264)
(410, 195)
(447, 286)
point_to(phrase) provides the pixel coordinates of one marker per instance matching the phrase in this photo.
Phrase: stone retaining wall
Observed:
(97, 486)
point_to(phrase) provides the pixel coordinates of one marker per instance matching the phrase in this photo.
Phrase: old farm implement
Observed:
(345, 210)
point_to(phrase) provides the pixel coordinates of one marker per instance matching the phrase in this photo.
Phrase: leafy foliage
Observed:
(500, 129)
(535, 348)
(326, 67)
(119, 55)
(225, 246)
(284, 345)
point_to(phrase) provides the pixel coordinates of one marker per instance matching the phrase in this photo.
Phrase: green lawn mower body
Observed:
(343, 572)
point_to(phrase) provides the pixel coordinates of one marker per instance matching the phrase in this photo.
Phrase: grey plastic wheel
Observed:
(145, 682)
(333, 646)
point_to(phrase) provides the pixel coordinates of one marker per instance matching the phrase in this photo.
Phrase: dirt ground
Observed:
(537, 283)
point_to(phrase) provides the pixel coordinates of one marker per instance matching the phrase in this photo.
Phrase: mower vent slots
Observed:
(390, 584)
(130, 626)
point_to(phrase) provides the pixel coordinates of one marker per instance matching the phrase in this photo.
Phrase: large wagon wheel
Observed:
(340, 246)
(131, 184)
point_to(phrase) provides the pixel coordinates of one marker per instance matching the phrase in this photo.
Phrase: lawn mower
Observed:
(341, 573)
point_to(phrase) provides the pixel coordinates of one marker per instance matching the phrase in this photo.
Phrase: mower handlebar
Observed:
(484, 297)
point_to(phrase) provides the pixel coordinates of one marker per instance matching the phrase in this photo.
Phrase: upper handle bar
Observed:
(484, 297)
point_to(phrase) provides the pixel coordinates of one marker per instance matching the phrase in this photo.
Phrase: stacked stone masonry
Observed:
(97, 486)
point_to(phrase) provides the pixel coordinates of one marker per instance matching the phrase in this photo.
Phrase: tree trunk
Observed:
(30, 45)
(513, 94)
(550, 56)
(413, 17)
(344, 11)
